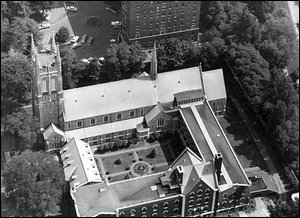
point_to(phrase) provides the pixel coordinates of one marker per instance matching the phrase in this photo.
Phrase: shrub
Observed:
(140, 158)
(153, 153)
(127, 168)
(118, 143)
(62, 35)
(107, 172)
(119, 161)
(151, 139)
(124, 142)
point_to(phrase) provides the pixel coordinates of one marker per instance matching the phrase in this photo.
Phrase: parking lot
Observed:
(101, 34)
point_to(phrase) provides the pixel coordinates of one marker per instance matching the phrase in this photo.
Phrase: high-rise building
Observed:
(149, 21)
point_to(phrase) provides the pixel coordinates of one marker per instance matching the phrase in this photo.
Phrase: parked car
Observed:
(83, 39)
(47, 16)
(84, 60)
(115, 23)
(44, 26)
(71, 8)
(111, 9)
(76, 45)
(90, 41)
(113, 41)
(74, 39)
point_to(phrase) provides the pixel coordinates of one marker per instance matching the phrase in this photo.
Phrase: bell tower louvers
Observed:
(47, 92)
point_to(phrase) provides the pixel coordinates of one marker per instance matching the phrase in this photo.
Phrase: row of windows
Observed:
(190, 100)
(106, 118)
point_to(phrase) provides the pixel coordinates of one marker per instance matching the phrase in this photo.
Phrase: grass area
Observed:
(109, 162)
(158, 169)
(144, 153)
(240, 139)
(118, 178)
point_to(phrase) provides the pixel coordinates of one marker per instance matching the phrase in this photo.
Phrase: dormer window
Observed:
(105, 119)
(119, 116)
(131, 114)
(92, 121)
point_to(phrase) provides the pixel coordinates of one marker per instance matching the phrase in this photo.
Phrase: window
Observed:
(119, 116)
(160, 122)
(207, 191)
(79, 124)
(69, 125)
(105, 119)
(206, 199)
(44, 85)
(53, 84)
(131, 114)
(144, 208)
(142, 111)
(176, 201)
(176, 211)
(192, 194)
(154, 206)
(199, 192)
(225, 195)
(92, 121)
(121, 214)
(166, 204)
(154, 214)
(165, 213)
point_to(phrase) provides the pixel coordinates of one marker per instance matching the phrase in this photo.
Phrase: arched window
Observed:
(190, 212)
(154, 214)
(53, 83)
(176, 211)
(44, 85)
(154, 206)
(132, 212)
(144, 209)
(198, 209)
(224, 204)
(199, 192)
(205, 207)
(121, 214)
(206, 199)
(105, 119)
(192, 194)
(207, 191)
(176, 201)
(225, 195)
(166, 204)
(165, 213)
(119, 116)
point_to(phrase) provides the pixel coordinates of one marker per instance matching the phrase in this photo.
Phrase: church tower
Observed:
(47, 92)
(153, 66)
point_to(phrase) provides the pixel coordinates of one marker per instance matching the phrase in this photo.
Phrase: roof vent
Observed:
(74, 177)
(102, 95)
(128, 90)
(75, 100)
(154, 86)
(179, 81)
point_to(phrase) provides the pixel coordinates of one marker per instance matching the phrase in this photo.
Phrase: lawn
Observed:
(109, 162)
(160, 157)
(102, 34)
(116, 178)
(240, 139)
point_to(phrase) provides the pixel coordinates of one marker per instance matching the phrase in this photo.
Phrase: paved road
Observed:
(294, 9)
(261, 147)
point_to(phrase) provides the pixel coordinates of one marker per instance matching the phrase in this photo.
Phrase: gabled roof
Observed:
(50, 129)
(78, 161)
(187, 157)
(134, 93)
(143, 74)
(156, 110)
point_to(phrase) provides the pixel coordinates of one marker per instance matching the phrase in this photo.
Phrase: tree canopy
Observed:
(33, 183)
(285, 209)
(16, 73)
(62, 35)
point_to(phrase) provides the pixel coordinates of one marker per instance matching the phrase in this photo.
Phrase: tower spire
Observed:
(153, 67)
(201, 77)
(33, 49)
(53, 45)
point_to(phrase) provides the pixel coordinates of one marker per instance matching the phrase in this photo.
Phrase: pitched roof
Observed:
(50, 129)
(133, 93)
(78, 161)
(157, 109)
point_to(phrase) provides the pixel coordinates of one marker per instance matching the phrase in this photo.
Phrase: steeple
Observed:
(201, 77)
(33, 49)
(53, 45)
(153, 67)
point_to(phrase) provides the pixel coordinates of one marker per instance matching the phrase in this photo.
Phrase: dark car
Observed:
(90, 41)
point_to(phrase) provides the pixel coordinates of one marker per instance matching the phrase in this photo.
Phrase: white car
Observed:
(74, 39)
(71, 8)
(115, 23)
(113, 41)
(44, 26)
(75, 45)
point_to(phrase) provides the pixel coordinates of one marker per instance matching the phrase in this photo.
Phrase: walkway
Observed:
(260, 145)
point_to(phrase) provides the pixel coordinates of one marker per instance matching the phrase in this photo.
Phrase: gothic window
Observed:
(166, 204)
(119, 116)
(199, 192)
(176, 211)
(53, 81)
(224, 204)
(192, 194)
(205, 208)
(190, 212)
(207, 191)
(176, 201)
(154, 206)
(69, 125)
(105, 119)
(131, 114)
(165, 213)
(92, 121)
(44, 85)
(121, 214)
(225, 195)
(160, 122)
(142, 111)
(154, 214)
(132, 212)
(144, 209)
(206, 199)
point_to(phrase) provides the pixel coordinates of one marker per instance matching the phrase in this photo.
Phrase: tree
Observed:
(261, 8)
(16, 73)
(285, 208)
(42, 5)
(119, 161)
(153, 153)
(62, 35)
(33, 183)
(23, 127)
(17, 9)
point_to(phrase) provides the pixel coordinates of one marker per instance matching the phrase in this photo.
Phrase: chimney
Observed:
(217, 164)
(153, 67)
(201, 77)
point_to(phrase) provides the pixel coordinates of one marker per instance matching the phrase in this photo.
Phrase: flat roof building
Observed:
(149, 21)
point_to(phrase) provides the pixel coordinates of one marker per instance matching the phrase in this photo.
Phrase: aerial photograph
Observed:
(149, 108)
